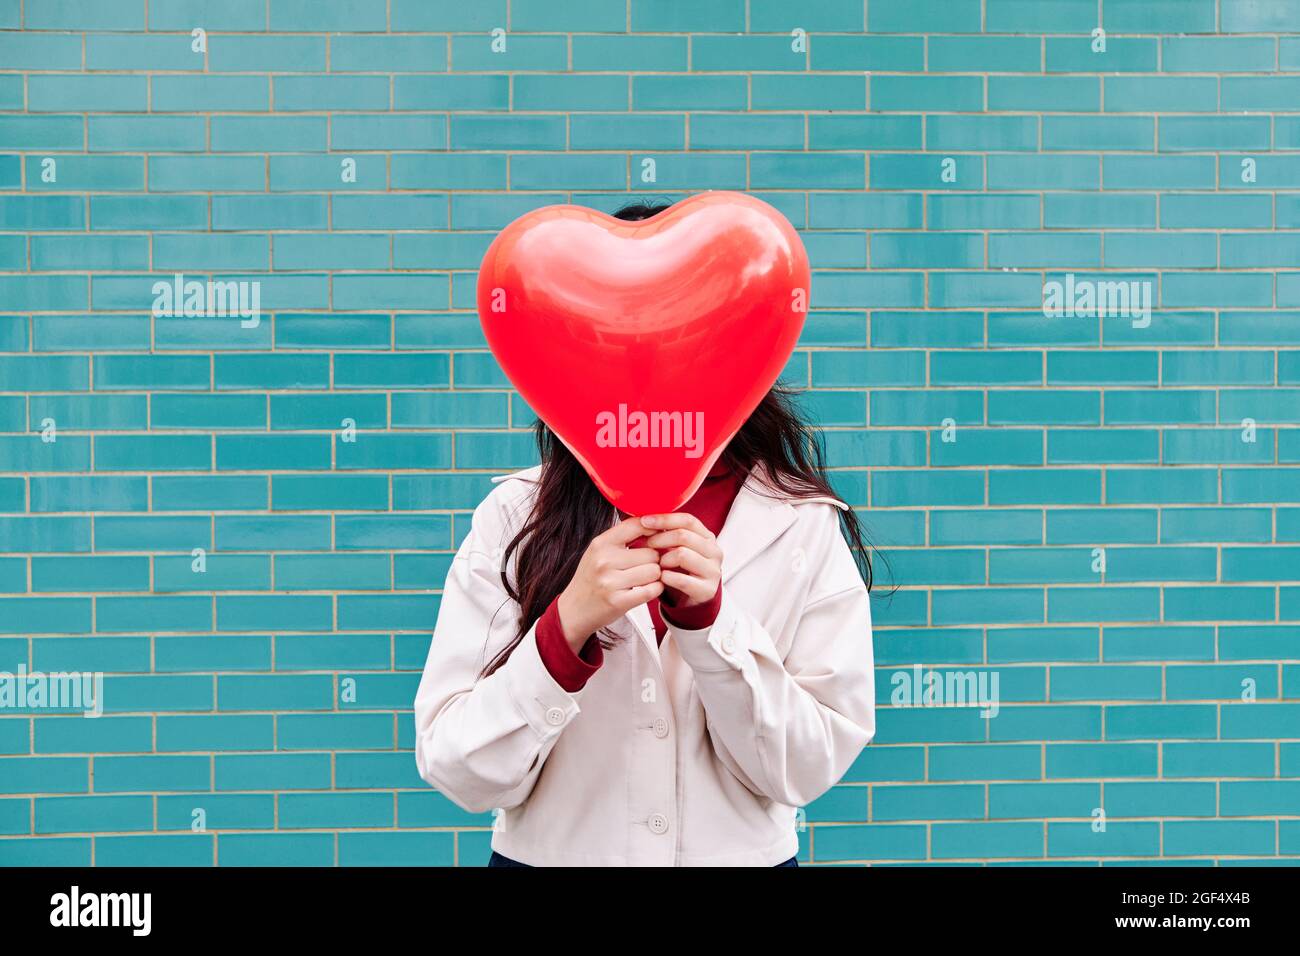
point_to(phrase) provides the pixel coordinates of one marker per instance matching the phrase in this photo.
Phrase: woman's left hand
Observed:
(689, 556)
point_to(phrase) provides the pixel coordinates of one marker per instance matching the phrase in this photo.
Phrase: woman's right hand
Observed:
(611, 579)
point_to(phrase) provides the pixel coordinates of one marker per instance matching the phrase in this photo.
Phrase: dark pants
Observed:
(496, 859)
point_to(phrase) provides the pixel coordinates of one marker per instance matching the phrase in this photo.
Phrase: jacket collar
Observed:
(759, 515)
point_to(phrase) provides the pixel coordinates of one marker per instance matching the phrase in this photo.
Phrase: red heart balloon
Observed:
(645, 345)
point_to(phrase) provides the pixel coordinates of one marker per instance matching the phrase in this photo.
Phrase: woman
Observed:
(655, 691)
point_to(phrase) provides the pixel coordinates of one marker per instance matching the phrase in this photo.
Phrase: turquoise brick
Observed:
(985, 840)
(100, 735)
(874, 842)
(305, 532)
(285, 371)
(272, 692)
(1110, 603)
(1260, 720)
(89, 574)
(824, 132)
(157, 371)
(362, 131)
(90, 814)
(355, 16)
(257, 613)
(215, 732)
(221, 573)
(1211, 211)
(1016, 644)
(247, 452)
(336, 731)
(1192, 54)
(1211, 133)
(1070, 446)
(807, 92)
(173, 212)
(1020, 800)
(919, 16)
(1243, 16)
(1136, 16)
(1223, 682)
(927, 802)
(395, 849)
(15, 817)
(1258, 485)
(1075, 93)
(1122, 54)
(275, 849)
(913, 407)
(1067, 760)
(131, 614)
(46, 852)
(46, 614)
(189, 850)
(237, 772)
(399, 612)
(1245, 643)
(325, 572)
(1115, 682)
(1146, 721)
(154, 452)
(1039, 565)
(191, 493)
(1157, 799)
(345, 652)
(914, 488)
(1117, 840)
(896, 53)
(1064, 407)
(220, 811)
(1002, 526)
(39, 534)
(1079, 368)
(132, 774)
(903, 93)
(961, 54)
(236, 653)
(1229, 837)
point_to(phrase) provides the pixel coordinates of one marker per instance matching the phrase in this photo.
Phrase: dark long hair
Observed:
(568, 511)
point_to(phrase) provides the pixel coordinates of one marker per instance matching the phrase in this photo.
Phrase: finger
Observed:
(694, 588)
(692, 562)
(684, 538)
(635, 577)
(623, 558)
(677, 519)
(629, 529)
(634, 597)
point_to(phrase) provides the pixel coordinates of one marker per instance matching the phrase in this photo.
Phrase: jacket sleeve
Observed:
(483, 742)
(789, 727)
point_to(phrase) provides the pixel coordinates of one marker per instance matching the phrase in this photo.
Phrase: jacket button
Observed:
(660, 727)
(555, 716)
(658, 823)
(728, 645)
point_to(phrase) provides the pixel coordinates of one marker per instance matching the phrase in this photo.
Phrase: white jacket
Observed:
(695, 752)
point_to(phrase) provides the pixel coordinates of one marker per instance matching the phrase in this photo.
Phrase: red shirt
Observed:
(711, 505)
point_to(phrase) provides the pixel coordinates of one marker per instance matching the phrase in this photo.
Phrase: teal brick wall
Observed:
(1102, 512)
